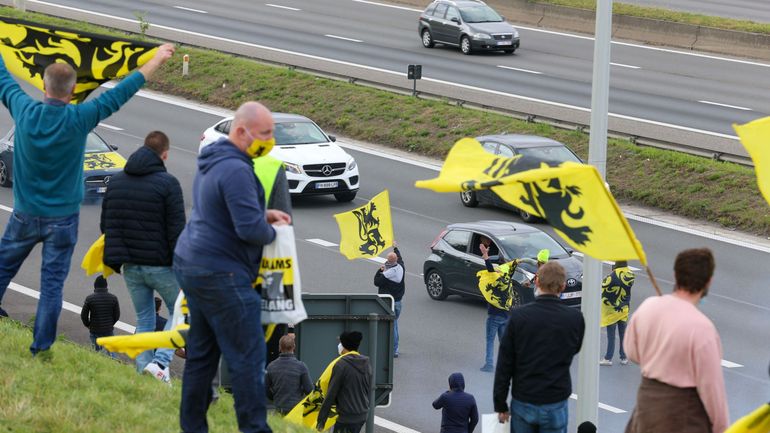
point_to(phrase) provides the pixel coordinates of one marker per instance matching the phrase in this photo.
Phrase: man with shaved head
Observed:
(390, 280)
(216, 261)
(49, 148)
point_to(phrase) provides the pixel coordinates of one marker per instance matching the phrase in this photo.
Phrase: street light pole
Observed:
(588, 359)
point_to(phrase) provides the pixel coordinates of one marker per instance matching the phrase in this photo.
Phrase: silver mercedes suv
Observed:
(469, 24)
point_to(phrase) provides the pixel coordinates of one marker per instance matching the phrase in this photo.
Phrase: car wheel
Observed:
(469, 199)
(509, 51)
(5, 174)
(465, 45)
(528, 217)
(434, 283)
(344, 197)
(427, 39)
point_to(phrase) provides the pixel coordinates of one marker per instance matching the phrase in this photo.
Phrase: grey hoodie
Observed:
(348, 389)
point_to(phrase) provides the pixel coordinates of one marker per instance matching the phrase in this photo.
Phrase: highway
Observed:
(648, 84)
(753, 10)
(437, 338)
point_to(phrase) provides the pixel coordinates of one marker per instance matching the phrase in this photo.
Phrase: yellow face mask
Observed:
(259, 147)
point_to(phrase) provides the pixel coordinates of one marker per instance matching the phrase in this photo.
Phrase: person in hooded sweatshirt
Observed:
(348, 388)
(458, 408)
(142, 217)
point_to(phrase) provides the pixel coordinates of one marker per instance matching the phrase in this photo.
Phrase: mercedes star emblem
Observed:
(327, 170)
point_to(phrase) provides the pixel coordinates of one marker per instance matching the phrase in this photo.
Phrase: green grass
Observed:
(689, 186)
(79, 390)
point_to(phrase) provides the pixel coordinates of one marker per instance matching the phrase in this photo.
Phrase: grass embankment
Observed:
(79, 390)
(689, 186)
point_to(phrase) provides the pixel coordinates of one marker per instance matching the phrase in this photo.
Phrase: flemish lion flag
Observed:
(755, 137)
(306, 411)
(93, 261)
(368, 230)
(755, 422)
(28, 48)
(133, 345)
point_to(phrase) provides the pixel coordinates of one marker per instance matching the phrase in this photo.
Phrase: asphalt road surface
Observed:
(437, 338)
(754, 10)
(703, 92)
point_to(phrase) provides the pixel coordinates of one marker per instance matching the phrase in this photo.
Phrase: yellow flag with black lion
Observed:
(28, 48)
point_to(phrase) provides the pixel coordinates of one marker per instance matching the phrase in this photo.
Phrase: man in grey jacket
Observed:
(349, 387)
(287, 380)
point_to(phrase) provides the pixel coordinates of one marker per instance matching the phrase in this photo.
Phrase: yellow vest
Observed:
(266, 168)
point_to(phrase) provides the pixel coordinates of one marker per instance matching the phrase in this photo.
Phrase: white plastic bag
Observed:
(279, 281)
(490, 424)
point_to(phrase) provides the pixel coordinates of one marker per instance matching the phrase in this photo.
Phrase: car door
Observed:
(453, 28)
(474, 263)
(453, 258)
(438, 23)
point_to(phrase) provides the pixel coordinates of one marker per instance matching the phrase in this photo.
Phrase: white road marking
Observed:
(6, 208)
(725, 105)
(520, 69)
(388, 6)
(322, 242)
(621, 65)
(387, 71)
(65, 305)
(730, 364)
(606, 262)
(190, 9)
(114, 128)
(343, 38)
(282, 7)
(390, 425)
(606, 407)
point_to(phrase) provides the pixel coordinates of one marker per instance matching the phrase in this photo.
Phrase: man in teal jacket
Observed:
(49, 148)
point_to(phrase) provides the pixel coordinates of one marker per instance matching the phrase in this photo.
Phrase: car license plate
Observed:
(325, 185)
(101, 189)
(570, 295)
(504, 42)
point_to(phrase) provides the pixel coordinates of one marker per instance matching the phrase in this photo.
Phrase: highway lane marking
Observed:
(520, 69)
(65, 305)
(729, 364)
(390, 425)
(621, 65)
(387, 71)
(322, 242)
(343, 38)
(114, 128)
(388, 6)
(190, 9)
(6, 208)
(282, 7)
(725, 105)
(606, 407)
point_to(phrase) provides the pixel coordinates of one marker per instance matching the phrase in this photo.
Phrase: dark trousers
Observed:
(348, 428)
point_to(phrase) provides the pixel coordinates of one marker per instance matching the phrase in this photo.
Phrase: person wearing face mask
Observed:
(680, 355)
(349, 386)
(216, 259)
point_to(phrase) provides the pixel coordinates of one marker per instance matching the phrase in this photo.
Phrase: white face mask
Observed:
(340, 348)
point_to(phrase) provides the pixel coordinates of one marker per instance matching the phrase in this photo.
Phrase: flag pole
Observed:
(654, 281)
(588, 365)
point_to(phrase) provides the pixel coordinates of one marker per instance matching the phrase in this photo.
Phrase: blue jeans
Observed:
(142, 283)
(397, 308)
(543, 418)
(58, 236)
(99, 348)
(224, 320)
(621, 325)
(495, 326)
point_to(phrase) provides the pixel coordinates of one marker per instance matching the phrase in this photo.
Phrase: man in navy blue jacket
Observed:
(459, 413)
(216, 260)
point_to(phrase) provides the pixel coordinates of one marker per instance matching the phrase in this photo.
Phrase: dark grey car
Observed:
(534, 151)
(469, 24)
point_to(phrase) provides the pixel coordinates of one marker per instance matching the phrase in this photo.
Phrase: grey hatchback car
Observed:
(469, 24)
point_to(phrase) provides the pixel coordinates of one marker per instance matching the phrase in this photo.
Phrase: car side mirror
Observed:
(332, 138)
(455, 20)
(494, 259)
(113, 147)
(502, 17)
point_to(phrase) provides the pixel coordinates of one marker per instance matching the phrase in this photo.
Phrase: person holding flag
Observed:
(49, 149)
(616, 297)
(501, 298)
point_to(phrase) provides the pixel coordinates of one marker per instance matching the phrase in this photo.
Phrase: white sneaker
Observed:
(162, 374)
(623, 361)
(605, 362)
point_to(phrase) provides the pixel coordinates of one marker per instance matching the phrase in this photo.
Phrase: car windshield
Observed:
(292, 133)
(480, 14)
(527, 245)
(94, 144)
(551, 155)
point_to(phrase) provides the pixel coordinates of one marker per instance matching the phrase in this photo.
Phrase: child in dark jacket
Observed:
(459, 413)
(100, 312)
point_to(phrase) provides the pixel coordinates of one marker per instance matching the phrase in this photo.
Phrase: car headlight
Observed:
(292, 168)
(352, 164)
(481, 36)
(515, 34)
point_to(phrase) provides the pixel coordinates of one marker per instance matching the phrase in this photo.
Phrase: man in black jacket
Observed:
(540, 341)
(349, 387)
(100, 312)
(390, 280)
(142, 217)
(287, 379)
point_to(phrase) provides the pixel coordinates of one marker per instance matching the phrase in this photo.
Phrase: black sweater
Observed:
(142, 213)
(349, 390)
(100, 312)
(388, 287)
(536, 352)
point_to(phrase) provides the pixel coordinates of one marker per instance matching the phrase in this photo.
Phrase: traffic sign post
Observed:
(414, 73)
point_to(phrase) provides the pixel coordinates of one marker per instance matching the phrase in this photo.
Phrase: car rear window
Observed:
(527, 245)
(429, 10)
(458, 239)
(440, 10)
